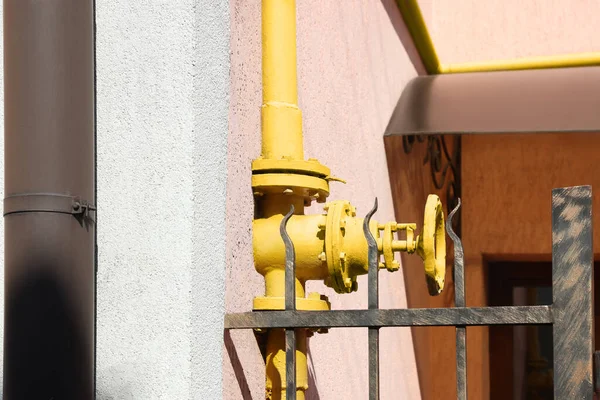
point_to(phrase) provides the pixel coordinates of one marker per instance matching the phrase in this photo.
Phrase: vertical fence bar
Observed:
(459, 301)
(572, 280)
(373, 259)
(461, 362)
(290, 305)
(290, 363)
(597, 372)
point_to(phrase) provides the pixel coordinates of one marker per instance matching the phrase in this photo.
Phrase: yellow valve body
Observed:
(332, 247)
(324, 250)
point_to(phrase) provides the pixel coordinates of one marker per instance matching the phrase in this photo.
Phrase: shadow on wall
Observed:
(391, 8)
(44, 345)
(313, 391)
(237, 367)
(311, 394)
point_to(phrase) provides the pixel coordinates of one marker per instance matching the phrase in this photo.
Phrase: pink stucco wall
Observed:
(352, 68)
(476, 30)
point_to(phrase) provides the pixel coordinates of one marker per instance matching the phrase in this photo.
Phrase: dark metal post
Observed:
(459, 301)
(572, 292)
(49, 323)
(290, 305)
(373, 259)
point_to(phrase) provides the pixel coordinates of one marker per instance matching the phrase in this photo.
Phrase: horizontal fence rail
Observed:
(468, 316)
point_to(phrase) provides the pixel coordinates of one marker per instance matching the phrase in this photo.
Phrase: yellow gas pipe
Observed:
(280, 89)
(330, 246)
(281, 124)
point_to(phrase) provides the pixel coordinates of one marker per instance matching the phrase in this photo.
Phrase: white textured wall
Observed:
(163, 92)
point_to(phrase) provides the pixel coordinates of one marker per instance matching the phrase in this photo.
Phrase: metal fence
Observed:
(571, 313)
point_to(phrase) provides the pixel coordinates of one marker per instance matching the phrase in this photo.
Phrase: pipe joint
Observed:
(306, 179)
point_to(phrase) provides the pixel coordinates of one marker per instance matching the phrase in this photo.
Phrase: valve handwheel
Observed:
(431, 245)
(344, 244)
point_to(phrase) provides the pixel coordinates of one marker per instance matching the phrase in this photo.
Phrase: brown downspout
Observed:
(49, 314)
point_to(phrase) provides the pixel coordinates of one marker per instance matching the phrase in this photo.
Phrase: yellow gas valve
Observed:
(332, 247)
(345, 245)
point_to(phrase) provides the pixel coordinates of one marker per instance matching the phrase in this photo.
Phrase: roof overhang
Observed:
(527, 101)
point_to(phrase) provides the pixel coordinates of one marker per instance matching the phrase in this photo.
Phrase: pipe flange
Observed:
(308, 187)
(305, 167)
(308, 179)
(340, 278)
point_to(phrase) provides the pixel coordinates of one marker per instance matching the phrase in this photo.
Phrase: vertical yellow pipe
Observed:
(276, 383)
(281, 122)
(280, 116)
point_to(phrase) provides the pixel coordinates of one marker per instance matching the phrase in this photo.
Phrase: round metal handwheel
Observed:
(431, 245)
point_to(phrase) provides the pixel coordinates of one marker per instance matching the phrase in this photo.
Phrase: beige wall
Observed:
(352, 68)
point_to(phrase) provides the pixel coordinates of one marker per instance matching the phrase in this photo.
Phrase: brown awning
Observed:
(528, 101)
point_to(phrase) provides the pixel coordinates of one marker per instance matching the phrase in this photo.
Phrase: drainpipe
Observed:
(49, 314)
(331, 246)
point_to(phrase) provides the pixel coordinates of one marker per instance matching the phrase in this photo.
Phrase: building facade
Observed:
(178, 124)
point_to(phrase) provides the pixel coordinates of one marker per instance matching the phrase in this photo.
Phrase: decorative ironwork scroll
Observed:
(444, 166)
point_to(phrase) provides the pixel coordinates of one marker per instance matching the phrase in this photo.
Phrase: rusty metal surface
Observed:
(597, 372)
(290, 263)
(459, 301)
(290, 364)
(572, 292)
(373, 258)
(459, 260)
(475, 316)
(461, 362)
(49, 326)
(290, 304)
(552, 100)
